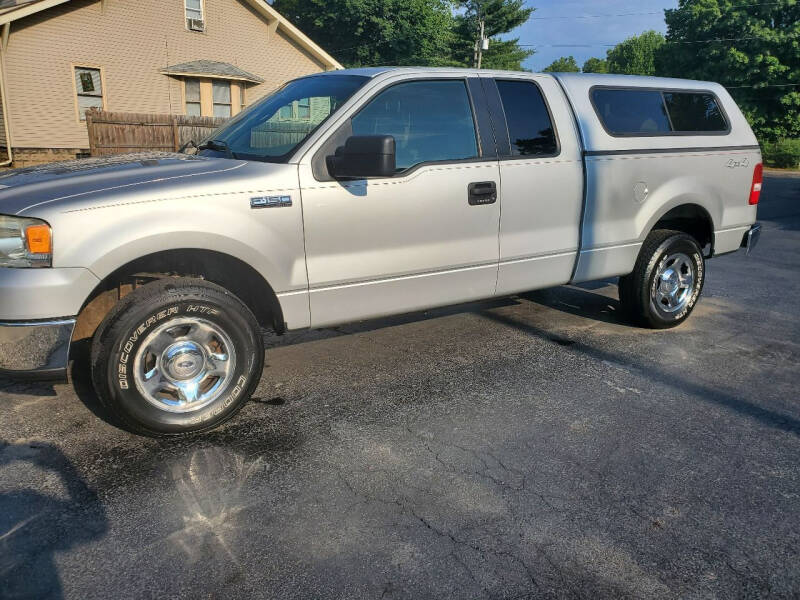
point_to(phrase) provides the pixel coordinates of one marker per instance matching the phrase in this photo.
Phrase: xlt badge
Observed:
(270, 201)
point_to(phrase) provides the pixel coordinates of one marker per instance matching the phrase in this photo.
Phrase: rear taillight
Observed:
(758, 179)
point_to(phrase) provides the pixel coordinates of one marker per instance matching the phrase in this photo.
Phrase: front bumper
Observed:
(750, 239)
(35, 349)
(32, 342)
(43, 294)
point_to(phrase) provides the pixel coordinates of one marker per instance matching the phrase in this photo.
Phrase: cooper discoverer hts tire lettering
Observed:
(177, 356)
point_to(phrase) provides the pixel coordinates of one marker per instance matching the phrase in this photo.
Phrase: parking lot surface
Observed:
(531, 447)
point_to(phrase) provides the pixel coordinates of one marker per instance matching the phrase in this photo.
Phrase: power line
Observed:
(710, 41)
(638, 14)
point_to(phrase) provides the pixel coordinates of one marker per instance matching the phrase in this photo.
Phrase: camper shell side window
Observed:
(649, 112)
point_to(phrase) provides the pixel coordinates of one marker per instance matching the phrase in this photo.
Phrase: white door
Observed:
(382, 246)
(541, 171)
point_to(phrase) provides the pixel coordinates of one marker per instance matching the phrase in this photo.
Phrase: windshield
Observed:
(273, 127)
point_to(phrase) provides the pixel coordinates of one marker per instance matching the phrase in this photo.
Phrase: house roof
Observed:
(12, 10)
(213, 69)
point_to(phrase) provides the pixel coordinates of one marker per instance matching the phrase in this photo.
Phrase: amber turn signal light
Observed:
(37, 238)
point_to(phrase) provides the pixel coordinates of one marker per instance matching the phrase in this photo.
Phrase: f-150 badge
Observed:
(270, 201)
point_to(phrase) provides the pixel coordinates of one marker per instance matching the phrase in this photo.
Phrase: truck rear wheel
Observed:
(177, 356)
(666, 281)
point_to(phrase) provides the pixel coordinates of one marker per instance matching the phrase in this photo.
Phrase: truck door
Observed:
(425, 237)
(541, 171)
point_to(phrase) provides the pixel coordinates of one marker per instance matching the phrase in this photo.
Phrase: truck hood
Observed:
(24, 189)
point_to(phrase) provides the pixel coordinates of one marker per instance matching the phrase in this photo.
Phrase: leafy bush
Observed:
(784, 154)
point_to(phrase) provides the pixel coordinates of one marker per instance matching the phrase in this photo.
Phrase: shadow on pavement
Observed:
(309, 335)
(579, 301)
(29, 388)
(710, 394)
(81, 379)
(34, 526)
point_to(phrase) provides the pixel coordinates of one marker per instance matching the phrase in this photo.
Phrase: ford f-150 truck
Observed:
(355, 194)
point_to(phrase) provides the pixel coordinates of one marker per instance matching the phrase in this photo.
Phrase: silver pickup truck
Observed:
(355, 194)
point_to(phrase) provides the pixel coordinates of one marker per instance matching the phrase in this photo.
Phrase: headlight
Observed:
(25, 243)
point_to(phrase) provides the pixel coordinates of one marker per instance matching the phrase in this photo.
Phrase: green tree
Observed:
(565, 64)
(595, 65)
(377, 32)
(636, 55)
(756, 54)
(500, 17)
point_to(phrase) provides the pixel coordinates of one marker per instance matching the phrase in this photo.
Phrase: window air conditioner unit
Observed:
(196, 24)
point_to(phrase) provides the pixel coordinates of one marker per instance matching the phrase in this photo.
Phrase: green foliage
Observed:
(377, 32)
(757, 56)
(411, 32)
(784, 154)
(595, 65)
(636, 55)
(501, 16)
(565, 64)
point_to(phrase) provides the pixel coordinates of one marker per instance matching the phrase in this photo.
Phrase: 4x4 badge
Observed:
(270, 201)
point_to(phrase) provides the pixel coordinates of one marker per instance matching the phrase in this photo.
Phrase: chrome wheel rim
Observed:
(674, 283)
(184, 365)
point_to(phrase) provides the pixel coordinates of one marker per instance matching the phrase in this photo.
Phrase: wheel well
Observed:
(234, 275)
(691, 219)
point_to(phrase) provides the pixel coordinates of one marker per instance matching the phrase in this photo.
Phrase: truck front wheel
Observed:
(666, 281)
(177, 356)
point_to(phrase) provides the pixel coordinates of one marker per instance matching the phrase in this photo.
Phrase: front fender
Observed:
(111, 232)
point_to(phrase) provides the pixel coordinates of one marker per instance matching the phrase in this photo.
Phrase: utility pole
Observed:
(481, 44)
(484, 44)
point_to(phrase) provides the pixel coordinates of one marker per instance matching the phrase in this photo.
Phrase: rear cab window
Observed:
(649, 112)
(530, 126)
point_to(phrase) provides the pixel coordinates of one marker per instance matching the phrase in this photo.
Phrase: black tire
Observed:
(168, 310)
(638, 292)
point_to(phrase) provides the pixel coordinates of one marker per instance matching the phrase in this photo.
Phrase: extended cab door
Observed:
(418, 239)
(541, 170)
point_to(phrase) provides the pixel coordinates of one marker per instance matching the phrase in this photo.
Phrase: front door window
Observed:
(430, 121)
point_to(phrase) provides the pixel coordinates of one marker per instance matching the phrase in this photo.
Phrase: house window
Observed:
(206, 97)
(89, 87)
(194, 15)
(304, 109)
(285, 113)
(193, 107)
(222, 98)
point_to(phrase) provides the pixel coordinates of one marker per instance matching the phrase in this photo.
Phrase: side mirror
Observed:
(364, 156)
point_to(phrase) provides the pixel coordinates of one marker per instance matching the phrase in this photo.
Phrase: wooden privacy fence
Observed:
(122, 133)
(271, 134)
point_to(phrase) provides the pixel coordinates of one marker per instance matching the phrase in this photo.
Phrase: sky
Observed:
(570, 35)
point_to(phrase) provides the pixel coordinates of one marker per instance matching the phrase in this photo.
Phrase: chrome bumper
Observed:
(35, 349)
(750, 239)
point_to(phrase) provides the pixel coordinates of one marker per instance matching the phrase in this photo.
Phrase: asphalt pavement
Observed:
(530, 447)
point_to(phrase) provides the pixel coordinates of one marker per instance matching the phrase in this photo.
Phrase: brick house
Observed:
(59, 58)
